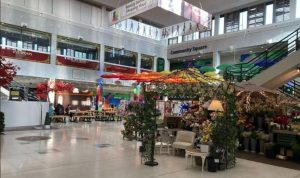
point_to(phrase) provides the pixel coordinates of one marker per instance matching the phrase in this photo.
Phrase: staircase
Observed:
(292, 89)
(25, 94)
(258, 69)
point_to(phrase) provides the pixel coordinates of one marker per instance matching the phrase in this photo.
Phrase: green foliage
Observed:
(295, 145)
(2, 124)
(205, 69)
(225, 131)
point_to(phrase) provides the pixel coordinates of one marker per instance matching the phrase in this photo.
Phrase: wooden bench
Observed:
(59, 118)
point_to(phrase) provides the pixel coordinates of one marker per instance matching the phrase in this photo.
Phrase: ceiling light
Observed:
(298, 70)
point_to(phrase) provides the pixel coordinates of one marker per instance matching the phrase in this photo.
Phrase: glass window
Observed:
(179, 39)
(269, 14)
(187, 37)
(282, 10)
(297, 7)
(196, 35)
(205, 34)
(221, 26)
(243, 20)
(147, 62)
(77, 48)
(24, 38)
(213, 27)
(232, 22)
(120, 56)
(172, 41)
(256, 16)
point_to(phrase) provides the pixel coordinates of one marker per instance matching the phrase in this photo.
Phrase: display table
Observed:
(193, 152)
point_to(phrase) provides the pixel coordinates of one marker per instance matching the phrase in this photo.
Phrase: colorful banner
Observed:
(119, 69)
(131, 9)
(24, 55)
(80, 63)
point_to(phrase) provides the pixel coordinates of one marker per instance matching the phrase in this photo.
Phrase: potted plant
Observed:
(295, 145)
(262, 137)
(246, 135)
(205, 135)
(254, 137)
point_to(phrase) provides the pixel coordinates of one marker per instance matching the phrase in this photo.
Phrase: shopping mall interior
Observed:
(149, 88)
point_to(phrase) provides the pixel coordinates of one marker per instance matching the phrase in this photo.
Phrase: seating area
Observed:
(87, 116)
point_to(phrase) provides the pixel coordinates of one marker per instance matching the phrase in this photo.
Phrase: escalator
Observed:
(274, 67)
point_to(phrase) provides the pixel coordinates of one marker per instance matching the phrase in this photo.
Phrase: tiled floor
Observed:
(80, 151)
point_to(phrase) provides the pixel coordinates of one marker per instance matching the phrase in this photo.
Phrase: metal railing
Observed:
(292, 89)
(277, 52)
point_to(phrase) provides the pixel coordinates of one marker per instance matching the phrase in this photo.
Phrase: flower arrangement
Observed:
(206, 132)
(262, 136)
(249, 126)
(283, 120)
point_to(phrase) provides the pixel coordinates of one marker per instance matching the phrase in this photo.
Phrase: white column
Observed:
(293, 9)
(155, 64)
(104, 17)
(167, 64)
(138, 64)
(216, 58)
(53, 49)
(101, 56)
(217, 20)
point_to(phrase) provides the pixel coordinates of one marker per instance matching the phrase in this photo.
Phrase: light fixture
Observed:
(216, 105)
(298, 70)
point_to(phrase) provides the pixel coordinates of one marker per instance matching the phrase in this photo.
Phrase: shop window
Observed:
(256, 16)
(120, 56)
(147, 62)
(232, 22)
(269, 14)
(76, 48)
(24, 39)
(172, 41)
(282, 10)
(243, 20)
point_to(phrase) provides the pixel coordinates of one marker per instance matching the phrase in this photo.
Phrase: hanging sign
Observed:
(131, 9)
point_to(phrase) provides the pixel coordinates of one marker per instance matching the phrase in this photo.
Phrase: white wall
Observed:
(241, 39)
(71, 18)
(23, 113)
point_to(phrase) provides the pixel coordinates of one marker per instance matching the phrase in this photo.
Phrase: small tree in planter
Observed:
(246, 138)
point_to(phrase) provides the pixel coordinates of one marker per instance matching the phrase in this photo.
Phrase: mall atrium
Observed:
(149, 88)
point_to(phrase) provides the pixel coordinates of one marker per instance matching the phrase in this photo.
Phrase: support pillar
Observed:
(155, 64)
(217, 21)
(138, 64)
(293, 4)
(101, 58)
(216, 58)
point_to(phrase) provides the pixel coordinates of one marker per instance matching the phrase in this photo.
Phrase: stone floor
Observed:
(97, 150)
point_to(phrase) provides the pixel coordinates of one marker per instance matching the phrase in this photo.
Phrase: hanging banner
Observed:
(185, 28)
(131, 9)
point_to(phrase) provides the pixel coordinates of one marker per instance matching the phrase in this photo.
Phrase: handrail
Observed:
(269, 57)
(295, 89)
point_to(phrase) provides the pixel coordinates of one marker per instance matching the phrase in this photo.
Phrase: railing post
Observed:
(241, 73)
(266, 59)
(297, 39)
